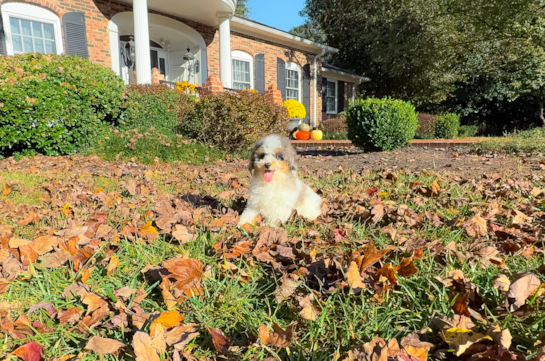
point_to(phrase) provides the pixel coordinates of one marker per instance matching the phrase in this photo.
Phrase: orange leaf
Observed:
(167, 319)
(221, 342)
(112, 265)
(353, 277)
(405, 268)
(371, 255)
(277, 338)
(6, 189)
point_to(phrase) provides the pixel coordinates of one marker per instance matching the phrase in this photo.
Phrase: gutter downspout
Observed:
(315, 80)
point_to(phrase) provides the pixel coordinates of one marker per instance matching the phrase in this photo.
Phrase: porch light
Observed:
(128, 53)
(189, 63)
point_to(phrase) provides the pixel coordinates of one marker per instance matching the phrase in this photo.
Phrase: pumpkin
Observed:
(317, 134)
(304, 127)
(301, 135)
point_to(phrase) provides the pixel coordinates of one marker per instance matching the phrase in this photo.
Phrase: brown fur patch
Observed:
(301, 198)
(281, 167)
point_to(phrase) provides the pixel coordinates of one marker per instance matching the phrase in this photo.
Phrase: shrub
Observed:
(295, 109)
(426, 126)
(55, 104)
(234, 121)
(334, 129)
(467, 131)
(381, 124)
(156, 105)
(447, 126)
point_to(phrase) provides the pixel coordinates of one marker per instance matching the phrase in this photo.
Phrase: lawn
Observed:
(118, 260)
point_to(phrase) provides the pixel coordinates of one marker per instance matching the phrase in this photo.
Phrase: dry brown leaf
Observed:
(188, 274)
(460, 333)
(221, 342)
(113, 264)
(70, 316)
(372, 255)
(104, 346)
(405, 268)
(354, 279)
(277, 338)
(182, 234)
(167, 319)
(476, 226)
(502, 283)
(414, 348)
(309, 311)
(180, 336)
(45, 244)
(502, 337)
(521, 289)
(144, 348)
(435, 187)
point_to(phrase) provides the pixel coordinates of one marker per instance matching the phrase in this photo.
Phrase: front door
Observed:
(159, 60)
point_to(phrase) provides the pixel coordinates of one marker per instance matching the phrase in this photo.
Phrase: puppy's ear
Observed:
(253, 156)
(290, 155)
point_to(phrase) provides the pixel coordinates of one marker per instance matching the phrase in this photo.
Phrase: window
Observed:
(30, 28)
(293, 81)
(243, 72)
(331, 101)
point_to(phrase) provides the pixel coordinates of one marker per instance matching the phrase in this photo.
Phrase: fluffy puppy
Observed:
(275, 190)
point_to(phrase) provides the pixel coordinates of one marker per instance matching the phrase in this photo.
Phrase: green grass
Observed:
(238, 308)
(529, 141)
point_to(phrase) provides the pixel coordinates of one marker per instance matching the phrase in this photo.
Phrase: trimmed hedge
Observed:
(55, 104)
(157, 106)
(447, 126)
(381, 124)
(234, 121)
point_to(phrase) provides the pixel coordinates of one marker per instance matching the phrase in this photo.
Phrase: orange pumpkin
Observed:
(301, 135)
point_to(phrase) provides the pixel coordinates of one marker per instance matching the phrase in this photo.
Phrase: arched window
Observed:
(30, 29)
(293, 81)
(243, 70)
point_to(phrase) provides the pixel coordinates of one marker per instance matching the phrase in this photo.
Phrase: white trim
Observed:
(336, 96)
(34, 13)
(297, 68)
(266, 32)
(244, 56)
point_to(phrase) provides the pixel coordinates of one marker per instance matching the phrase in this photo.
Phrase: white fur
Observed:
(276, 200)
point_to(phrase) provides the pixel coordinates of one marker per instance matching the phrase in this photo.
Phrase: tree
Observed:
(243, 9)
(310, 30)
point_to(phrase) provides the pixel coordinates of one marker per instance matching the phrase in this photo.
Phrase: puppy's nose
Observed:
(267, 165)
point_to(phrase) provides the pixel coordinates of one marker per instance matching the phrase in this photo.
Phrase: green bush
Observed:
(447, 126)
(467, 131)
(234, 121)
(334, 129)
(381, 124)
(155, 105)
(55, 104)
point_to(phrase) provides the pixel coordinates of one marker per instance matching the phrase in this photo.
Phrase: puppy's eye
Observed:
(260, 156)
(279, 156)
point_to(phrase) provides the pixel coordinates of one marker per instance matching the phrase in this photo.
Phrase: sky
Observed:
(280, 14)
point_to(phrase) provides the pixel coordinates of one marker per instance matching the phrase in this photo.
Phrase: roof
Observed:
(251, 27)
(326, 67)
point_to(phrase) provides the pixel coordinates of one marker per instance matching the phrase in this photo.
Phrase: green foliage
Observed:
(150, 145)
(157, 106)
(310, 30)
(426, 126)
(381, 124)
(447, 126)
(234, 121)
(528, 141)
(55, 104)
(335, 129)
(243, 9)
(467, 131)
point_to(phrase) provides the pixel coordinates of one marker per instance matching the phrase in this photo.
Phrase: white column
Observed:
(141, 42)
(225, 49)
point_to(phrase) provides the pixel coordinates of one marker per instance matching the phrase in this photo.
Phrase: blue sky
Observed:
(281, 14)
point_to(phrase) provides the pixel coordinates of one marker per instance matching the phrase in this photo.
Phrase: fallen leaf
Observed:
(182, 234)
(167, 319)
(112, 265)
(372, 255)
(414, 349)
(188, 275)
(29, 352)
(104, 346)
(180, 336)
(405, 268)
(502, 283)
(221, 342)
(144, 348)
(476, 226)
(309, 311)
(521, 289)
(277, 338)
(354, 279)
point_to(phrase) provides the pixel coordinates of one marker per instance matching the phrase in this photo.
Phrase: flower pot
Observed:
(294, 123)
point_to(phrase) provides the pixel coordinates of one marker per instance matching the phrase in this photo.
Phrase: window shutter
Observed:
(281, 76)
(340, 96)
(260, 73)
(75, 34)
(324, 94)
(306, 90)
(2, 38)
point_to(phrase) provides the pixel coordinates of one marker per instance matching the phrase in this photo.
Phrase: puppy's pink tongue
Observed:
(269, 176)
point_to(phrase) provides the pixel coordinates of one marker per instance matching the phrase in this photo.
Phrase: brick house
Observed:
(183, 40)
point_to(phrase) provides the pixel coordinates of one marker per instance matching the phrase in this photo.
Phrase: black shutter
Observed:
(281, 76)
(75, 34)
(260, 73)
(324, 94)
(340, 96)
(306, 90)
(3, 50)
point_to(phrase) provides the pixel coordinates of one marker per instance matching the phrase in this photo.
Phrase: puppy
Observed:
(275, 190)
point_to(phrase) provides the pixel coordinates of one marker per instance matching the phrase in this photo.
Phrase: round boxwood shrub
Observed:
(234, 121)
(447, 126)
(381, 124)
(157, 106)
(55, 104)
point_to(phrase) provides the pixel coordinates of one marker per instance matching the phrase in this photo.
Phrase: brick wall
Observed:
(97, 25)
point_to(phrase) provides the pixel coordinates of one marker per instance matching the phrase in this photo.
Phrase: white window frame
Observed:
(297, 68)
(243, 56)
(336, 96)
(32, 13)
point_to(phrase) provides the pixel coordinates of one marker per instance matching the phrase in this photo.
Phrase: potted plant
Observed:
(297, 113)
